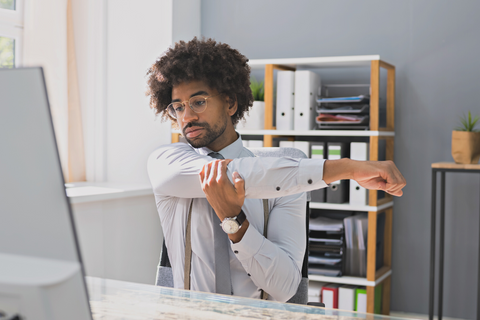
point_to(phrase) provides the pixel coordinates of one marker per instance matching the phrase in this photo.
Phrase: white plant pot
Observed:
(255, 120)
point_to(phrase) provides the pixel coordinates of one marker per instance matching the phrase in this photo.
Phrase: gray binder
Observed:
(318, 151)
(337, 191)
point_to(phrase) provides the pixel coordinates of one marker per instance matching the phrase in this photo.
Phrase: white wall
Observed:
(120, 239)
(116, 42)
(136, 36)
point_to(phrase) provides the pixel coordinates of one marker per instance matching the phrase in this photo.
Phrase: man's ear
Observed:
(232, 106)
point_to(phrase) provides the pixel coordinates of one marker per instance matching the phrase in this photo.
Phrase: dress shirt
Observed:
(273, 263)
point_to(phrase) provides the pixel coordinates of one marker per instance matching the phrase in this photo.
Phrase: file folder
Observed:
(307, 84)
(337, 191)
(330, 296)
(361, 299)
(378, 299)
(285, 99)
(317, 151)
(304, 146)
(358, 194)
(286, 144)
(255, 143)
(315, 291)
(346, 298)
(355, 239)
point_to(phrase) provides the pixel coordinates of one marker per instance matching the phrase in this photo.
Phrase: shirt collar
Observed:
(231, 151)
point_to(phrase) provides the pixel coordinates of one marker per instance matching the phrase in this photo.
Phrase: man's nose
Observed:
(189, 114)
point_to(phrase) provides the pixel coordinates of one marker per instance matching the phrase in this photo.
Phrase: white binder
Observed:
(255, 143)
(286, 144)
(285, 99)
(358, 194)
(304, 146)
(346, 298)
(307, 84)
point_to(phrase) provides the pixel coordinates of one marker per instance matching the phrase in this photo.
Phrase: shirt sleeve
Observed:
(274, 263)
(173, 170)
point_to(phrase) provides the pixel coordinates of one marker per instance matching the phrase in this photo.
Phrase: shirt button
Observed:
(309, 181)
(278, 188)
(235, 251)
(248, 274)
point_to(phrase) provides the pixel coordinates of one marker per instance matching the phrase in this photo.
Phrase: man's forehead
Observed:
(190, 87)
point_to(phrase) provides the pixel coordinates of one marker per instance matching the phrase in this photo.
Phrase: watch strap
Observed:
(241, 217)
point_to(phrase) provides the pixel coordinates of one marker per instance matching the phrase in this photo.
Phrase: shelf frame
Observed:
(348, 207)
(356, 281)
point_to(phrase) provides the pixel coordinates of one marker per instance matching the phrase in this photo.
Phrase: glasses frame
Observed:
(189, 104)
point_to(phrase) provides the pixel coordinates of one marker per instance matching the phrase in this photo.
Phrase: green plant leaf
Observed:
(257, 89)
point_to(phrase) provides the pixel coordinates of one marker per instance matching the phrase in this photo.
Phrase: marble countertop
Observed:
(112, 299)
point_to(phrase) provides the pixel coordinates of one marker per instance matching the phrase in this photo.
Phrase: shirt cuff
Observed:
(311, 174)
(250, 244)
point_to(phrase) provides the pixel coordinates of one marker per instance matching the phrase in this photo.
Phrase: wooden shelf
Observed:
(348, 207)
(453, 165)
(356, 281)
(319, 133)
(317, 62)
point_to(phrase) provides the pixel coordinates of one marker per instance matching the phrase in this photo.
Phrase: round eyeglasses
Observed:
(198, 104)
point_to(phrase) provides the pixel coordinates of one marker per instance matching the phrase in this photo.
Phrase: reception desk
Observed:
(112, 299)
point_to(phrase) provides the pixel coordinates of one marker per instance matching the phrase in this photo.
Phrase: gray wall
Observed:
(435, 46)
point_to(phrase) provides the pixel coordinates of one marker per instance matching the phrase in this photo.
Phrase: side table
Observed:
(442, 168)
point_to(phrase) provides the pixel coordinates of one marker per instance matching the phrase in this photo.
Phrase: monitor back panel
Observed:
(35, 215)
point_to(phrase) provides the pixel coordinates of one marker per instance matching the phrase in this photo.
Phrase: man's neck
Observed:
(228, 137)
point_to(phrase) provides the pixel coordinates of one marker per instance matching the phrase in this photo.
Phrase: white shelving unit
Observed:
(319, 133)
(349, 207)
(375, 206)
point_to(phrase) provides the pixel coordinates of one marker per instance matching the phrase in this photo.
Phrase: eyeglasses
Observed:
(198, 104)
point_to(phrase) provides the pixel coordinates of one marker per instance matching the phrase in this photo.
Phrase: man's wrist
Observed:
(334, 170)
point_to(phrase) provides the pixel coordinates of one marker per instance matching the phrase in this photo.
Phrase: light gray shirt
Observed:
(273, 263)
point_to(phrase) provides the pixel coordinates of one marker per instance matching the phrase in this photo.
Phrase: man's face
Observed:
(201, 129)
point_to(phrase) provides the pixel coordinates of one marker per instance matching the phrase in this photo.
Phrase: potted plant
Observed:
(255, 119)
(466, 141)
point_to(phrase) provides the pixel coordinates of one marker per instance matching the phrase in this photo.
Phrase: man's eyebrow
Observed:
(193, 95)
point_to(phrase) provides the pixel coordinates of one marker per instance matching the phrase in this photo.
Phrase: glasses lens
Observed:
(175, 109)
(198, 104)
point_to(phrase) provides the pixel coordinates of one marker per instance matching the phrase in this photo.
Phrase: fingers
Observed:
(214, 171)
(239, 184)
(395, 180)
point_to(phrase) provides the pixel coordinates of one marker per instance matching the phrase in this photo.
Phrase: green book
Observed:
(378, 299)
(361, 299)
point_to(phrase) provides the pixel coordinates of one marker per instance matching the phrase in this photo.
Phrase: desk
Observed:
(113, 300)
(442, 168)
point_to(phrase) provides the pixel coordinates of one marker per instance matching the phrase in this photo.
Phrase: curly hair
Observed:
(217, 64)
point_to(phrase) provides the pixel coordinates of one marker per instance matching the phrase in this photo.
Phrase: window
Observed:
(11, 33)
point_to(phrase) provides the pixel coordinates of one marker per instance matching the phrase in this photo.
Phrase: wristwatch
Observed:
(233, 224)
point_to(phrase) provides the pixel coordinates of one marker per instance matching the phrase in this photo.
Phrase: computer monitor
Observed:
(41, 273)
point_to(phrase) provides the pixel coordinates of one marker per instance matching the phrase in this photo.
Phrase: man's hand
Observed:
(374, 175)
(224, 197)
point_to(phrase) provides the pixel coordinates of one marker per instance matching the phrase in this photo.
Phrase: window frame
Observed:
(11, 26)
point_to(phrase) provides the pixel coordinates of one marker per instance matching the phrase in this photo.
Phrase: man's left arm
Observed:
(274, 263)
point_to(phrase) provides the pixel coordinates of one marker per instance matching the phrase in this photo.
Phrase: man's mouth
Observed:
(192, 132)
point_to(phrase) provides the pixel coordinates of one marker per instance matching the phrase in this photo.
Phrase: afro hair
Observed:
(217, 64)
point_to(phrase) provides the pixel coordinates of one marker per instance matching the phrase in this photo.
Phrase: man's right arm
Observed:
(174, 171)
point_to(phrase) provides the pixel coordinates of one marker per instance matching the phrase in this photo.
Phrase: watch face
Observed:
(230, 226)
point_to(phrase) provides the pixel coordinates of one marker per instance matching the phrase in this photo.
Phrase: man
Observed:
(202, 87)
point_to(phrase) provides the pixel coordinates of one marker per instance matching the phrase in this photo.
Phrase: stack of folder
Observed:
(344, 297)
(353, 298)
(356, 231)
(343, 112)
(326, 247)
